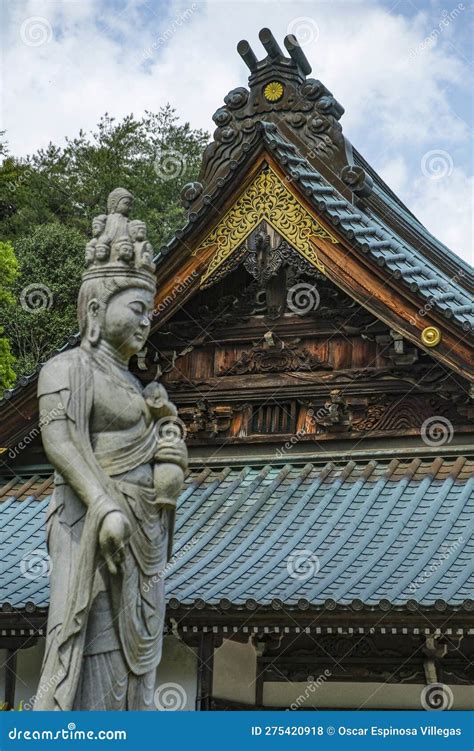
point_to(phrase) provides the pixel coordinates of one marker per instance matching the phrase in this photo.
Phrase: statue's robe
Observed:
(104, 632)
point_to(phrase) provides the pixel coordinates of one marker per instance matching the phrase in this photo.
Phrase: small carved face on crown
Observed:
(137, 230)
(123, 249)
(98, 224)
(102, 251)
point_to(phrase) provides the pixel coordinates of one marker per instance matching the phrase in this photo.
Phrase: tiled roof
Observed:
(370, 534)
(363, 228)
(368, 232)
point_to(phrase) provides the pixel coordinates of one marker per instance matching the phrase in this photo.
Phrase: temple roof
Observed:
(406, 261)
(296, 120)
(367, 534)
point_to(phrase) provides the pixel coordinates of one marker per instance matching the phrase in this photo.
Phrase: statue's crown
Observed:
(119, 246)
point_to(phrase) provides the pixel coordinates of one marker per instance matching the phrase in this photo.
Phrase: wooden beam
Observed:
(10, 678)
(205, 672)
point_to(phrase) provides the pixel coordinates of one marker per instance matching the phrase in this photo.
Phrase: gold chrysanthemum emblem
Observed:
(273, 91)
(431, 336)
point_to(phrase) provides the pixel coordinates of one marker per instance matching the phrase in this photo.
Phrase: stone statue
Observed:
(116, 229)
(143, 249)
(98, 226)
(117, 475)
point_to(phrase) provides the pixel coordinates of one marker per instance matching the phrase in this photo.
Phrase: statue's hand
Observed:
(113, 536)
(173, 452)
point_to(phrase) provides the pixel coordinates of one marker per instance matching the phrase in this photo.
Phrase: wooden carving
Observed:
(266, 198)
(275, 359)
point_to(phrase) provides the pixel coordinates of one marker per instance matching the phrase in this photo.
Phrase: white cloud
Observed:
(445, 207)
(128, 59)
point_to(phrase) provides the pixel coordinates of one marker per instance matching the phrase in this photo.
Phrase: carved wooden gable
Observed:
(267, 347)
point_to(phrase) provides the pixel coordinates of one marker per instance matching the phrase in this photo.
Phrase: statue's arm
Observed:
(74, 461)
(63, 452)
(59, 432)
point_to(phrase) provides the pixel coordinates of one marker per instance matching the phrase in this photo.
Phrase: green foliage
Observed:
(51, 260)
(48, 200)
(8, 275)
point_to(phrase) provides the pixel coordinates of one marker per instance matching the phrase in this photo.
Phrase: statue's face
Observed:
(124, 205)
(126, 322)
(97, 228)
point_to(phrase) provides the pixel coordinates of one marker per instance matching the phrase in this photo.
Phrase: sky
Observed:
(402, 69)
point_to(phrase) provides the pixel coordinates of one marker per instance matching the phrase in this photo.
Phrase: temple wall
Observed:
(234, 680)
(176, 677)
(355, 695)
(234, 672)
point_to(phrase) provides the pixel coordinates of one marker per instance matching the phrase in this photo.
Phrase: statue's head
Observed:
(117, 291)
(116, 311)
(98, 224)
(123, 249)
(120, 201)
(137, 230)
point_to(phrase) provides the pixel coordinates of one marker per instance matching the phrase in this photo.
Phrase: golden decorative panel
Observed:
(266, 198)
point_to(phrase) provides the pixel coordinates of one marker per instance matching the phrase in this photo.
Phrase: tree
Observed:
(152, 157)
(8, 274)
(45, 293)
(48, 200)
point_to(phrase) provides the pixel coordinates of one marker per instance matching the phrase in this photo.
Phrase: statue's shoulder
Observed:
(55, 375)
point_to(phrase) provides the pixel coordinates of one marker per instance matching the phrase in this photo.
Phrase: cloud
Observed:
(121, 57)
(440, 195)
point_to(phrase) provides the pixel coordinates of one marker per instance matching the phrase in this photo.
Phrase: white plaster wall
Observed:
(234, 672)
(357, 695)
(176, 676)
(28, 670)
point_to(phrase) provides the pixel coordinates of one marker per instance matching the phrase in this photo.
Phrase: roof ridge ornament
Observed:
(296, 65)
(305, 112)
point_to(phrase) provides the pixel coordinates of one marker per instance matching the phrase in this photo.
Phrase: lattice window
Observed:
(274, 418)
